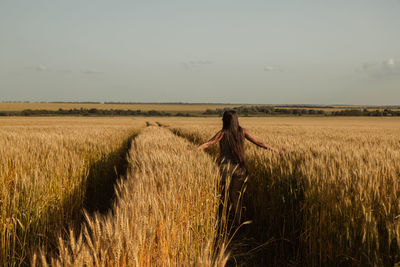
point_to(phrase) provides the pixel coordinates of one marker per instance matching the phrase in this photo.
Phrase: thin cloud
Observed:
(368, 66)
(91, 71)
(193, 64)
(269, 68)
(386, 68)
(64, 71)
(42, 68)
(201, 62)
(46, 68)
(390, 65)
(272, 68)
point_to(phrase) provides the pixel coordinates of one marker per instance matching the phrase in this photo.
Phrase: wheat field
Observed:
(47, 168)
(332, 199)
(164, 215)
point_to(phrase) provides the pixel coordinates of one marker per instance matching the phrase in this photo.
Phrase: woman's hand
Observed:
(190, 149)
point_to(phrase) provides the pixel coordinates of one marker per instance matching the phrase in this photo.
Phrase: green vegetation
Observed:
(253, 111)
(186, 109)
(305, 111)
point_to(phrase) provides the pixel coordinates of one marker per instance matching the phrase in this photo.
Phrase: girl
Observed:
(231, 141)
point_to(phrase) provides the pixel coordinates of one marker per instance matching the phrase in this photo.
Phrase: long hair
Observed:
(233, 134)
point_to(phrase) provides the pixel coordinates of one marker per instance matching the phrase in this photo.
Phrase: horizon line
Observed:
(196, 103)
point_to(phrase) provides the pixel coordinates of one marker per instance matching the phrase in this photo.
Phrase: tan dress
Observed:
(231, 168)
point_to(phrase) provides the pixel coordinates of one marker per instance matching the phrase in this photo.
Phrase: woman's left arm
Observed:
(259, 143)
(216, 138)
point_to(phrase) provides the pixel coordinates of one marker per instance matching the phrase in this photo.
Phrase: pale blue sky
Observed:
(303, 51)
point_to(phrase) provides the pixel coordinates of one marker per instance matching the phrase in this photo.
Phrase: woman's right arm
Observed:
(216, 138)
(259, 143)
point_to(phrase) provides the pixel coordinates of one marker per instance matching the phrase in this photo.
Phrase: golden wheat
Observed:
(44, 166)
(165, 214)
(333, 198)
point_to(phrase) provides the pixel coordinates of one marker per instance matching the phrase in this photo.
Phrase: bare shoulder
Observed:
(249, 136)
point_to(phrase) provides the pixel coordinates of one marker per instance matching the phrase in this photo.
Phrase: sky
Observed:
(258, 52)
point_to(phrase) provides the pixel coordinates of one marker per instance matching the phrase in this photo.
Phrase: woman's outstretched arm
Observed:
(260, 143)
(216, 138)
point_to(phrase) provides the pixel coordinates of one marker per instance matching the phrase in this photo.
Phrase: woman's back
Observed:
(226, 153)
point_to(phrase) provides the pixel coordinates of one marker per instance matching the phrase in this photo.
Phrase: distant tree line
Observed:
(272, 111)
(266, 111)
(242, 111)
(73, 102)
(366, 112)
(303, 106)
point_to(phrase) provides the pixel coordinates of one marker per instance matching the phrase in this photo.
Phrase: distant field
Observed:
(19, 106)
(187, 109)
